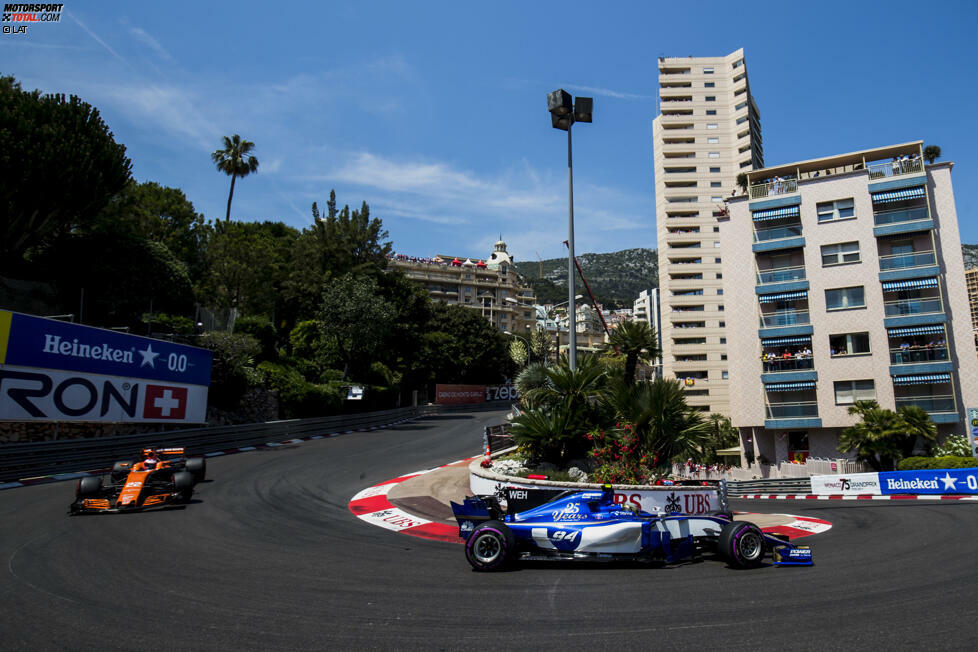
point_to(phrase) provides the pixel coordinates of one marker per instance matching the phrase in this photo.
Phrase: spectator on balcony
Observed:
(895, 165)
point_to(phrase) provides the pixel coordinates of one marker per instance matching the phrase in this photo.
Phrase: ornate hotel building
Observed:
(491, 286)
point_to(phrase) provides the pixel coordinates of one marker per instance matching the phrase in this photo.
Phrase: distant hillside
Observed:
(970, 253)
(616, 278)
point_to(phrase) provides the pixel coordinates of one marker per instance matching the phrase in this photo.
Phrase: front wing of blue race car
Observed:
(590, 525)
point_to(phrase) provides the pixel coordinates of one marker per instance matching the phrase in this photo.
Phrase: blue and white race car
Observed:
(589, 525)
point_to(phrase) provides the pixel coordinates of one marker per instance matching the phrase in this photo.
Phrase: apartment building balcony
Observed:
(920, 360)
(908, 307)
(788, 365)
(773, 189)
(891, 169)
(792, 414)
(901, 211)
(941, 408)
(781, 279)
(908, 260)
(785, 318)
(792, 323)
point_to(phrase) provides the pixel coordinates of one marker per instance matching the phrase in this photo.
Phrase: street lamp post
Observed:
(564, 112)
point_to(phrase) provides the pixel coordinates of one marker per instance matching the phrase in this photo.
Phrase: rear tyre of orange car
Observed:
(183, 482)
(490, 547)
(197, 466)
(742, 543)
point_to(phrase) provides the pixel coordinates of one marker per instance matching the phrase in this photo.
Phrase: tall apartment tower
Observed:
(707, 132)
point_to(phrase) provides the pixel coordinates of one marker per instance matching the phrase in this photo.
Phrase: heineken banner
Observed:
(56, 371)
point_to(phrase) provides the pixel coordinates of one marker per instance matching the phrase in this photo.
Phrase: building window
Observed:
(716, 198)
(839, 254)
(714, 170)
(709, 84)
(711, 112)
(719, 291)
(845, 298)
(724, 374)
(723, 356)
(711, 125)
(710, 98)
(720, 308)
(716, 229)
(714, 154)
(713, 140)
(849, 344)
(848, 392)
(723, 324)
(723, 340)
(707, 71)
(716, 244)
(839, 209)
(719, 275)
(718, 261)
(715, 184)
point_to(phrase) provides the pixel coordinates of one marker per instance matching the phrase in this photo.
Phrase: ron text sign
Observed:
(55, 371)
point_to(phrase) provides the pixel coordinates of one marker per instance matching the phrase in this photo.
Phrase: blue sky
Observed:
(435, 112)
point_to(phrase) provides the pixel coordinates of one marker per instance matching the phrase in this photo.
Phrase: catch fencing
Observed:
(25, 460)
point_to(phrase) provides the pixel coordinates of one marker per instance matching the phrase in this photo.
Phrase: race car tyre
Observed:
(89, 486)
(742, 543)
(183, 482)
(197, 466)
(490, 546)
(120, 470)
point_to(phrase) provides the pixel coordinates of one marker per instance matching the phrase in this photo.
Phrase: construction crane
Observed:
(541, 264)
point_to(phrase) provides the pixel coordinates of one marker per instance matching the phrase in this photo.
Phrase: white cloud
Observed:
(146, 39)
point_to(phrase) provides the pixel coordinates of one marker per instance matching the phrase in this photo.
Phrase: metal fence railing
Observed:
(496, 438)
(22, 460)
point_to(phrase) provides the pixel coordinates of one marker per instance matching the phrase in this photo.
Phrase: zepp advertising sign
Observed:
(55, 371)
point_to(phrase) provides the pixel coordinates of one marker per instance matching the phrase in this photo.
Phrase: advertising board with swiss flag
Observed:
(57, 371)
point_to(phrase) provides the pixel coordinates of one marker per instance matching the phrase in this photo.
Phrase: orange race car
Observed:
(163, 476)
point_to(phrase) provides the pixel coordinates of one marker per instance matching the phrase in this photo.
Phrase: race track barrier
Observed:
(24, 460)
(887, 483)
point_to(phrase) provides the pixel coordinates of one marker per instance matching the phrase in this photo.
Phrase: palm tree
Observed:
(658, 412)
(533, 376)
(875, 437)
(235, 162)
(635, 340)
(932, 153)
(917, 428)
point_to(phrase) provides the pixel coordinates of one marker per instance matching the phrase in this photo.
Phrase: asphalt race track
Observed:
(269, 557)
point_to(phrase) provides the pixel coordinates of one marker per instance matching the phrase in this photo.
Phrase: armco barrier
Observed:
(19, 461)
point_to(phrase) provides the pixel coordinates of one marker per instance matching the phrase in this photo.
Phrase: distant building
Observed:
(971, 277)
(844, 281)
(491, 286)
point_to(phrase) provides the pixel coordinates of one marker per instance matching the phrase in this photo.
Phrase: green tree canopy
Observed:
(59, 166)
(337, 243)
(245, 264)
(117, 278)
(161, 214)
(355, 319)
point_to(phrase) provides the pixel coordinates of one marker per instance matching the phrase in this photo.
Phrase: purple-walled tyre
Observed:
(742, 543)
(490, 546)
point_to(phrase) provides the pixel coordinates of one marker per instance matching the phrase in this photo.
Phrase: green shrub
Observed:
(233, 371)
(164, 323)
(947, 462)
(262, 329)
(298, 398)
